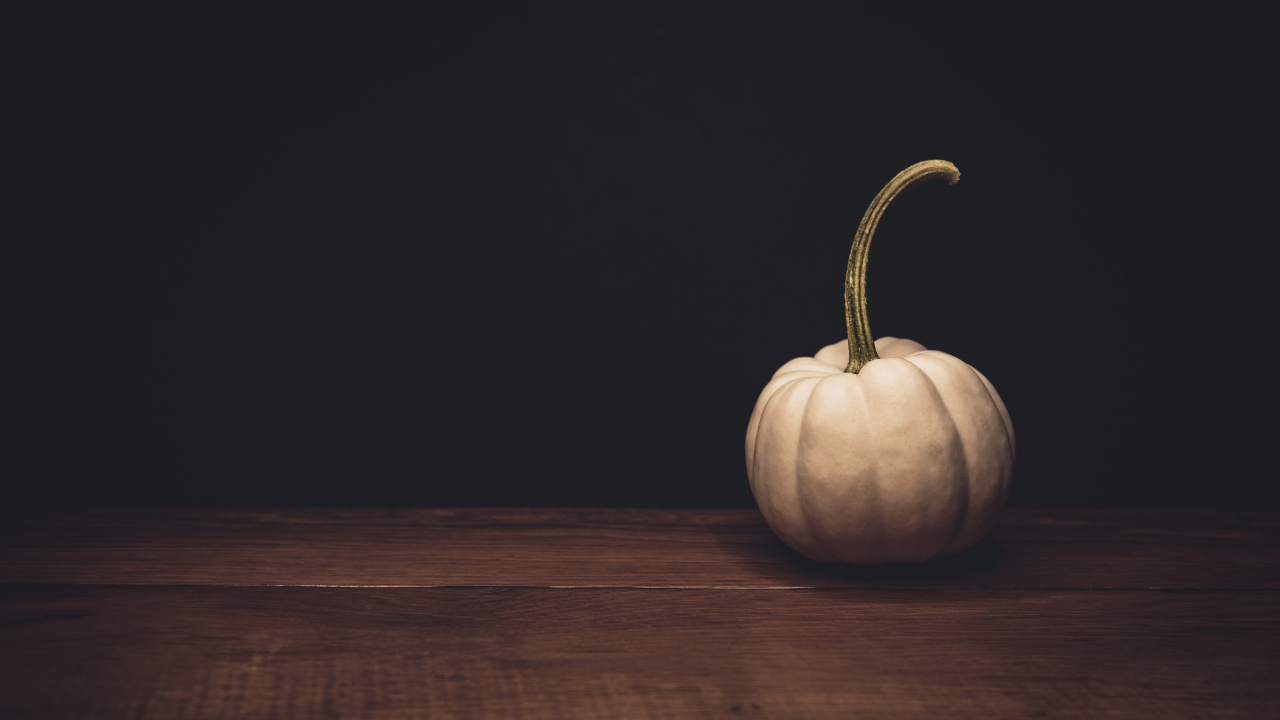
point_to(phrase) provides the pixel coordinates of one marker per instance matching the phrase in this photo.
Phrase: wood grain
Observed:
(615, 548)
(558, 613)
(210, 652)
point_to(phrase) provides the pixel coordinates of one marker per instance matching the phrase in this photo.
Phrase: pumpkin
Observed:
(882, 452)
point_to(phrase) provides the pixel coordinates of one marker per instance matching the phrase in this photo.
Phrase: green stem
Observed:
(862, 349)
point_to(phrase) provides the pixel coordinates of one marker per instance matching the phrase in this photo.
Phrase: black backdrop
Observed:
(549, 254)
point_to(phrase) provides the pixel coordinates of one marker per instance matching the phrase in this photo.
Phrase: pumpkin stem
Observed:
(862, 348)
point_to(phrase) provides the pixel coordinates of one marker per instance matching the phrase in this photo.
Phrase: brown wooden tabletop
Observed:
(555, 613)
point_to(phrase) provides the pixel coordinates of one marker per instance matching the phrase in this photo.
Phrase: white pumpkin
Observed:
(893, 453)
(908, 459)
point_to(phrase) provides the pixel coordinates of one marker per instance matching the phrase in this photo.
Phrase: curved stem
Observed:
(862, 349)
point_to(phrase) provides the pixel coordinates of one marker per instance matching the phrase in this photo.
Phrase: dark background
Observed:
(548, 254)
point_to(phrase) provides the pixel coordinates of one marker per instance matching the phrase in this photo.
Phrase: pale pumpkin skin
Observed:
(907, 459)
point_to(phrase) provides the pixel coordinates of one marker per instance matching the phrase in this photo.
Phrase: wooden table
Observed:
(555, 613)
